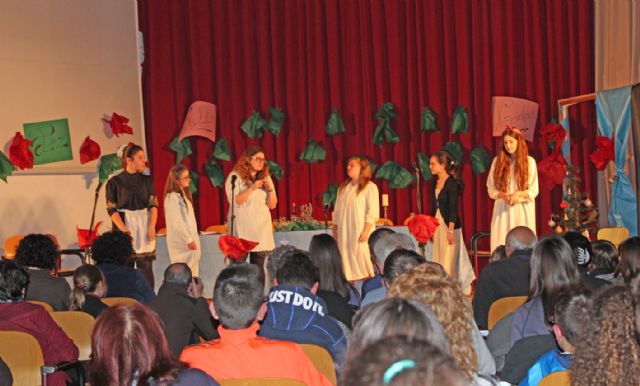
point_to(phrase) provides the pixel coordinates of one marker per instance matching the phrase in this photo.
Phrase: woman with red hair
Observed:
(513, 184)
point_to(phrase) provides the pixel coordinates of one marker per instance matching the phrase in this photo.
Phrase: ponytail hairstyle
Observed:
(444, 158)
(85, 280)
(173, 184)
(129, 151)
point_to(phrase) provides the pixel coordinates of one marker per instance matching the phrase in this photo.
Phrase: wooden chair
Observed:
(22, 353)
(384, 222)
(321, 360)
(616, 235)
(260, 382)
(115, 301)
(560, 378)
(162, 232)
(502, 307)
(10, 246)
(78, 326)
(46, 306)
(222, 229)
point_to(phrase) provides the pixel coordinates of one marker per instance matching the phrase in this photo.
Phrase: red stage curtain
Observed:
(308, 57)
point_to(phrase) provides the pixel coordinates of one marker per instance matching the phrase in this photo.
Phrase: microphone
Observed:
(233, 180)
(258, 175)
(414, 166)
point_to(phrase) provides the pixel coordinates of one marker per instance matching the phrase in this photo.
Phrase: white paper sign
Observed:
(514, 112)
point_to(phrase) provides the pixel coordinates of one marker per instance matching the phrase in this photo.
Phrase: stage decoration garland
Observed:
(193, 182)
(118, 124)
(313, 152)
(182, 148)
(277, 119)
(304, 222)
(460, 120)
(604, 153)
(221, 150)
(385, 114)
(275, 169)
(423, 164)
(89, 150)
(329, 195)
(6, 167)
(423, 227)
(395, 175)
(552, 168)
(108, 164)
(253, 125)
(480, 160)
(334, 124)
(428, 120)
(19, 152)
(455, 151)
(214, 172)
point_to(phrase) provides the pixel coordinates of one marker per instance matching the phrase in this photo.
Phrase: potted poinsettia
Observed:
(423, 227)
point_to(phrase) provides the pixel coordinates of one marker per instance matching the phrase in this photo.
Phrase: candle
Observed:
(385, 200)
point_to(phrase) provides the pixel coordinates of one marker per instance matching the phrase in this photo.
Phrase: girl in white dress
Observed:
(354, 218)
(513, 184)
(183, 241)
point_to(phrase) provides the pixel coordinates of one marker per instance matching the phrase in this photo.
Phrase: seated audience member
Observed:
(402, 361)
(18, 315)
(89, 286)
(605, 260)
(572, 308)
(383, 249)
(553, 268)
(184, 312)
(376, 281)
(273, 262)
(500, 253)
(39, 254)
(295, 313)
(507, 277)
(6, 378)
(609, 351)
(582, 253)
(430, 284)
(240, 353)
(111, 251)
(393, 317)
(629, 265)
(398, 262)
(129, 348)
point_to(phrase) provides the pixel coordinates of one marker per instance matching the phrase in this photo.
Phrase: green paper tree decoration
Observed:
(423, 164)
(108, 164)
(455, 151)
(313, 152)
(193, 183)
(460, 120)
(215, 174)
(253, 125)
(480, 160)
(275, 169)
(221, 150)
(6, 167)
(329, 195)
(428, 121)
(182, 148)
(334, 124)
(396, 175)
(275, 123)
(384, 130)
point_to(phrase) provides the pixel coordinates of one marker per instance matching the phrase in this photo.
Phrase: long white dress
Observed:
(352, 211)
(182, 230)
(506, 217)
(252, 218)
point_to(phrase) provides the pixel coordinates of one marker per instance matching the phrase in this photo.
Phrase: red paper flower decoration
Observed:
(235, 248)
(552, 169)
(19, 152)
(554, 131)
(422, 227)
(89, 150)
(119, 125)
(86, 236)
(604, 154)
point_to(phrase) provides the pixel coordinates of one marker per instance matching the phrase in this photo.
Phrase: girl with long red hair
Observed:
(513, 184)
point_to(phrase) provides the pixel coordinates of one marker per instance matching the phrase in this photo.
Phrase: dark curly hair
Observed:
(38, 251)
(112, 247)
(609, 353)
(13, 280)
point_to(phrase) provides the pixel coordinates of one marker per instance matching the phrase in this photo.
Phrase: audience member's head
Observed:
(13, 281)
(325, 255)
(178, 273)
(129, 347)
(113, 247)
(605, 257)
(274, 260)
(629, 265)
(635, 290)
(389, 243)
(373, 239)
(609, 352)
(498, 254)
(580, 246)
(430, 285)
(298, 270)
(402, 361)
(392, 317)
(399, 262)
(572, 308)
(237, 296)
(37, 251)
(87, 279)
(518, 239)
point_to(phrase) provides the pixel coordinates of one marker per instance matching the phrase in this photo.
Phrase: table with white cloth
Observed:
(212, 260)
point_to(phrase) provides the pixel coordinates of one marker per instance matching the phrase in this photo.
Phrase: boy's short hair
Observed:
(237, 295)
(297, 269)
(399, 262)
(572, 307)
(605, 255)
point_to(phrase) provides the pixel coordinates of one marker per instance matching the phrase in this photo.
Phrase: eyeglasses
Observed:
(258, 159)
(185, 178)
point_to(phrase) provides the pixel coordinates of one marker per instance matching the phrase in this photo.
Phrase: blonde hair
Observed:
(172, 185)
(429, 284)
(85, 280)
(363, 178)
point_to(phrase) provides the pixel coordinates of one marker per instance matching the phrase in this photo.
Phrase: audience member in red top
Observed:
(18, 315)
(240, 353)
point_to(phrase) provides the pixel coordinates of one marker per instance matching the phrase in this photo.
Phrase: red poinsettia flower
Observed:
(422, 227)
(235, 248)
(19, 152)
(119, 125)
(604, 154)
(552, 169)
(554, 131)
(86, 236)
(89, 150)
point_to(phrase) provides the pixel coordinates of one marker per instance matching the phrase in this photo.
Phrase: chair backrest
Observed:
(78, 326)
(385, 222)
(46, 306)
(10, 246)
(321, 360)
(502, 307)
(616, 235)
(560, 378)
(260, 382)
(222, 229)
(116, 300)
(22, 353)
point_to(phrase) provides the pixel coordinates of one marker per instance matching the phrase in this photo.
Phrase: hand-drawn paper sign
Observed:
(200, 121)
(51, 141)
(514, 112)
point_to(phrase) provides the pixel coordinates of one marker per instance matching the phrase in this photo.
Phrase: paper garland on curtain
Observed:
(108, 164)
(455, 151)
(460, 120)
(275, 123)
(480, 160)
(118, 124)
(329, 195)
(384, 130)
(275, 169)
(89, 150)
(221, 150)
(423, 164)
(215, 174)
(313, 152)
(604, 152)
(428, 121)
(395, 175)
(193, 182)
(253, 125)
(182, 148)
(334, 124)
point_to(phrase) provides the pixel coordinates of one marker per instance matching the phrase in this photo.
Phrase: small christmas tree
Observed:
(579, 213)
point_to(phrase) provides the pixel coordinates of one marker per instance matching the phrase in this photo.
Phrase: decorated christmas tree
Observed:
(578, 213)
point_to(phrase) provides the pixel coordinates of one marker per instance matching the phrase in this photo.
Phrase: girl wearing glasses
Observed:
(183, 241)
(253, 199)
